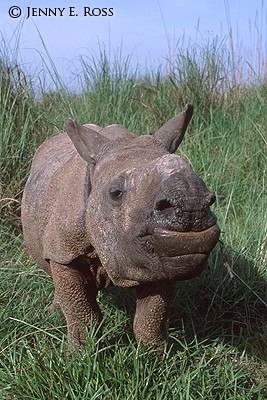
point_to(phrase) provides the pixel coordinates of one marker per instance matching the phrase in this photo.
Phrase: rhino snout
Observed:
(180, 214)
(168, 205)
(183, 203)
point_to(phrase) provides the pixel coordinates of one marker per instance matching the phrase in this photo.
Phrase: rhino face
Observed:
(148, 214)
(153, 222)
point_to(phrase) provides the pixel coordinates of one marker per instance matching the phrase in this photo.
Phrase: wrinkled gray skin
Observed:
(105, 206)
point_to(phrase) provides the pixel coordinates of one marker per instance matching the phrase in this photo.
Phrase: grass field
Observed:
(218, 325)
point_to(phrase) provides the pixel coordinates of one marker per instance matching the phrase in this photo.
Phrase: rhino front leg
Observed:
(152, 307)
(75, 294)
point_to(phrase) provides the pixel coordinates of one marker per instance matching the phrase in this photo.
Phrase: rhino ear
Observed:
(87, 141)
(172, 132)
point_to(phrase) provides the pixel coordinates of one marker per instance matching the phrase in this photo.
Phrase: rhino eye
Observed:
(116, 192)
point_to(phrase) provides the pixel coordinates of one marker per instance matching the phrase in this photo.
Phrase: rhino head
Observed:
(148, 215)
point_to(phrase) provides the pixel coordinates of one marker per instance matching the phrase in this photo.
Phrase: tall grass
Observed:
(218, 326)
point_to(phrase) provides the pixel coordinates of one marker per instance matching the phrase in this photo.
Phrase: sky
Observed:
(148, 31)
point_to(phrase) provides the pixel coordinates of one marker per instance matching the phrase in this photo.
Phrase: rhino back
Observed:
(54, 203)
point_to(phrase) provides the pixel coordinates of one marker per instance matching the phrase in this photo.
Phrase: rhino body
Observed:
(107, 207)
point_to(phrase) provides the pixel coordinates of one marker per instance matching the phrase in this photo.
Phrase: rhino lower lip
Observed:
(185, 266)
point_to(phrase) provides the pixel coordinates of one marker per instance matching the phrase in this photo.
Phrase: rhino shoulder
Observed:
(55, 199)
(65, 236)
(53, 152)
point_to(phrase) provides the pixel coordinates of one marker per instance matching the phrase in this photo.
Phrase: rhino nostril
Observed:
(163, 205)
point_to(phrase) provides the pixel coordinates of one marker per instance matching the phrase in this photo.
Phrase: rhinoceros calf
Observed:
(107, 207)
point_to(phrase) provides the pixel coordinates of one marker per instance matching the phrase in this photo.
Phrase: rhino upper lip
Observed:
(169, 243)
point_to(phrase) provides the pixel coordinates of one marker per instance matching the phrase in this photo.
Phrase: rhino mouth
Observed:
(182, 254)
(169, 243)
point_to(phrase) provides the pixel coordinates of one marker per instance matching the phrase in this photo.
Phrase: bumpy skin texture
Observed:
(107, 207)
